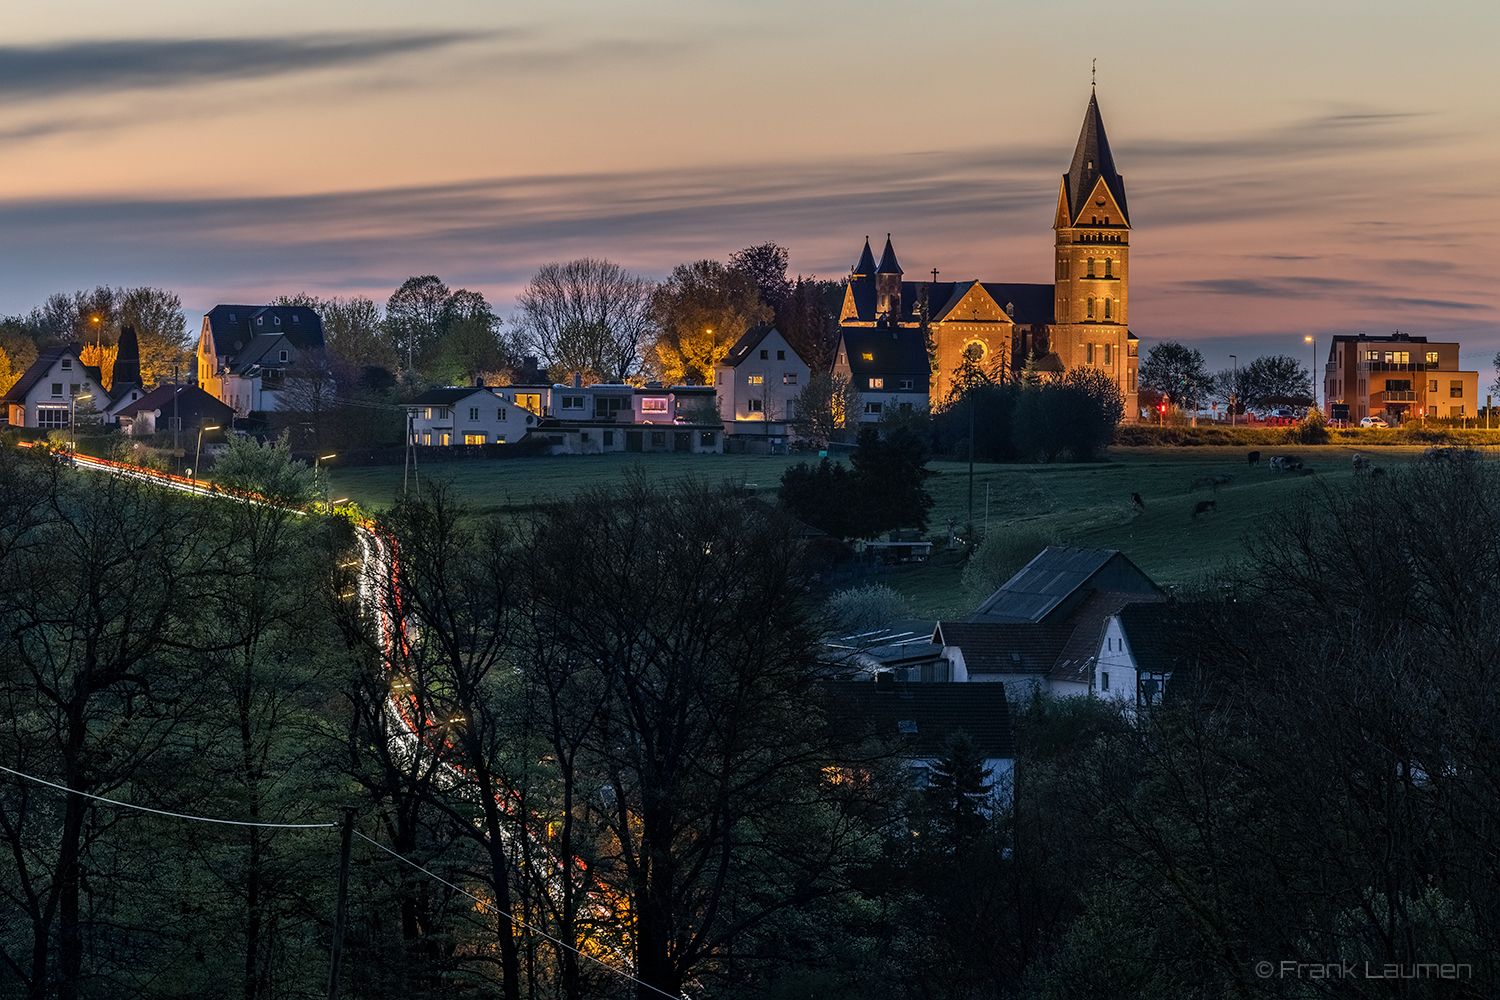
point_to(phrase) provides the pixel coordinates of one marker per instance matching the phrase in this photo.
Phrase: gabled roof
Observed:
(447, 395)
(893, 351)
(1005, 649)
(193, 404)
(888, 264)
(1059, 577)
(234, 327)
(866, 264)
(39, 368)
(925, 715)
(743, 348)
(1027, 304)
(1158, 638)
(1092, 159)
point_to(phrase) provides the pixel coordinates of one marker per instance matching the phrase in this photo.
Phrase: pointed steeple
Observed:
(866, 265)
(888, 263)
(1091, 161)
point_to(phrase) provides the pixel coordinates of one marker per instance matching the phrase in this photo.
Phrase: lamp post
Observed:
(198, 453)
(1314, 343)
(1234, 389)
(73, 418)
(320, 458)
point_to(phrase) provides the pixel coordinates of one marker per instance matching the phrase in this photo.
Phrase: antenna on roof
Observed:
(1094, 75)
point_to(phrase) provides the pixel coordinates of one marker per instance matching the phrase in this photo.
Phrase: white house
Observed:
(247, 353)
(1141, 649)
(45, 394)
(454, 415)
(756, 388)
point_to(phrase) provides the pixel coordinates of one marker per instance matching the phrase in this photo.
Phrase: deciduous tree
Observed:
(699, 312)
(586, 317)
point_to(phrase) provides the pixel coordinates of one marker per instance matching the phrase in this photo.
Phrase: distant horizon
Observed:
(1279, 186)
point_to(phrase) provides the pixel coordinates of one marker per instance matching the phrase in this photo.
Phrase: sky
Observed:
(1293, 169)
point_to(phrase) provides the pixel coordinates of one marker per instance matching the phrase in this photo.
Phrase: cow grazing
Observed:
(1204, 506)
(1254, 457)
(1135, 498)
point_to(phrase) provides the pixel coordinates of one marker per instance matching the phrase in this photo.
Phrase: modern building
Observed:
(1081, 319)
(756, 388)
(248, 356)
(1397, 378)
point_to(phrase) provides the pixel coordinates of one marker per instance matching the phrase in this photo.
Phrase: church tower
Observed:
(1092, 280)
(888, 283)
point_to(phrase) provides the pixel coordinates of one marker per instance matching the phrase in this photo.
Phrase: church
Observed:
(1081, 319)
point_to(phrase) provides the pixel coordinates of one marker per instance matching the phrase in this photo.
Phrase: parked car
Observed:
(1284, 414)
(1373, 422)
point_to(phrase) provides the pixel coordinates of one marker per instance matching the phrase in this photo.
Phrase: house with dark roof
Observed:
(246, 354)
(47, 394)
(156, 410)
(918, 719)
(1143, 646)
(1078, 320)
(1044, 627)
(756, 386)
(125, 385)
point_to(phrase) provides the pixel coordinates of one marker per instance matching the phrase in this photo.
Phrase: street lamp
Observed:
(320, 458)
(1234, 388)
(73, 418)
(199, 452)
(1314, 344)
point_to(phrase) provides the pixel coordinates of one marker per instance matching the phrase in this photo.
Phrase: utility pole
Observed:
(176, 420)
(335, 961)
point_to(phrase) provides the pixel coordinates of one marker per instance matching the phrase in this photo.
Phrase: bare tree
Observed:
(586, 316)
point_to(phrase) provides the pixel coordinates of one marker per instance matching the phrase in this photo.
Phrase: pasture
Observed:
(1086, 504)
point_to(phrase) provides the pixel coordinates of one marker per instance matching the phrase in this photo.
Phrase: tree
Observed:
(765, 265)
(810, 327)
(1175, 371)
(1076, 414)
(415, 316)
(266, 470)
(958, 796)
(470, 346)
(353, 331)
(890, 470)
(1276, 380)
(823, 495)
(160, 329)
(828, 404)
(586, 317)
(699, 312)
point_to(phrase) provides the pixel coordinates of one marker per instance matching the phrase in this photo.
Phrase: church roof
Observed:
(888, 263)
(866, 263)
(1091, 161)
(1026, 304)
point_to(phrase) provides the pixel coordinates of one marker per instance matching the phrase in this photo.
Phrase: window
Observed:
(658, 438)
(781, 355)
(67, 364)
(877, 383)
(872, 408)
(1106, 307)
(260, 321)
(296, 318)
(446, 439)
(765, 355)
(474, 415)
(757, 380)
(231, 317)
(609, 438)
(427, 413)
(1107, 353)
(718, 377)
(1091, 307)
(1091, 267)
(654, 404)
(1088, 354)
(52, 417)
(1456, 389)
(583, 436)
(283, 355)
(1104, 680)
(499, 438)
(790, 378)
(500, 413)
(906, 383)
(1109, 266)
(56, 390)
(572, 402)
(427, 437)
(1455, 411)
(1432, 385)
(1432, 357)
(868, 356)
(474, 439)
(753, 405)
(444, 413)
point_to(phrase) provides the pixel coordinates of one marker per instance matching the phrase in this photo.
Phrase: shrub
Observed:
(865, 609)
(1003, 553)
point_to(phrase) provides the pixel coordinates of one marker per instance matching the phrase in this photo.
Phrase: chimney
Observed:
(578, 380)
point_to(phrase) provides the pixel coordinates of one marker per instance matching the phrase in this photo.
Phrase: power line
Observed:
(163, 812)
(521, 923)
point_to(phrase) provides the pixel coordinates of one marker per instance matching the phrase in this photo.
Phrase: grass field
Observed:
(1086, 505)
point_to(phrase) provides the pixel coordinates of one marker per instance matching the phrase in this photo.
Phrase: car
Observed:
(1373, 422)
(1284, 414)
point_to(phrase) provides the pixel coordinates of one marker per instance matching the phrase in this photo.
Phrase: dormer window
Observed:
(296, 318)
(260, 321)
(278, 318)
(231, 317)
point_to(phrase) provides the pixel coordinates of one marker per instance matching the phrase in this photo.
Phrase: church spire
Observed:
(866, 265)
(1092, 160)
(888, 263)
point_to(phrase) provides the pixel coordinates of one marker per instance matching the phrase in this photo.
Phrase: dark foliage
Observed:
(882, 490)
(1074, 416)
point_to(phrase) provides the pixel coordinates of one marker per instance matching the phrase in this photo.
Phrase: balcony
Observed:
(1392, 366)
(1397, 396)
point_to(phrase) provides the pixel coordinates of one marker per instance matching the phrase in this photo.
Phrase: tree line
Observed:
(1177, 374)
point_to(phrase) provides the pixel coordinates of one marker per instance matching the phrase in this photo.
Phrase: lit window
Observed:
(877, 383)
(790, 378)
(474, 439)
(1456, 389)
(447, 440)
(1432, 357)
(757, 379)
(654, 404)
(868, 356)
(1432, 385)
(427, 437)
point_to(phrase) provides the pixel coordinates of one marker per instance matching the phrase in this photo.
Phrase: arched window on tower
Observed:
(1091, 267)
(1106, 308)
(1091, 307)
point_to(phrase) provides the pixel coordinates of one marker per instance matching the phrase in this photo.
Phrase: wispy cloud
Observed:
(47, 71)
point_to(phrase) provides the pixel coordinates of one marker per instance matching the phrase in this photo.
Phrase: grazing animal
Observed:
(1204, 506)
(1135, 498)
(1361, 464)
(1254, 457)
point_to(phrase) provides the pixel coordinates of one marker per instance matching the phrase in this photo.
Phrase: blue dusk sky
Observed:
(1292, 168)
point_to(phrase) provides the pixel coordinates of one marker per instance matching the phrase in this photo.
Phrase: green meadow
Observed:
(1086, 505)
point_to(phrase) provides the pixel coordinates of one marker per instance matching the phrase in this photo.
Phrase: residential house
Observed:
(1397, 377)
(46, 394)
(186, 407)
(756, 388)
(249, 356)
(888, 365)
(922, 718)
(454, 415)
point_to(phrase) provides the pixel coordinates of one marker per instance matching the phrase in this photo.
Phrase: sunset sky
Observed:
(1293, 168)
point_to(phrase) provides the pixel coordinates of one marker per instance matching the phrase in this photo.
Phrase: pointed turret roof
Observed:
(888, 263)
(866, 265)
(1091, 161)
